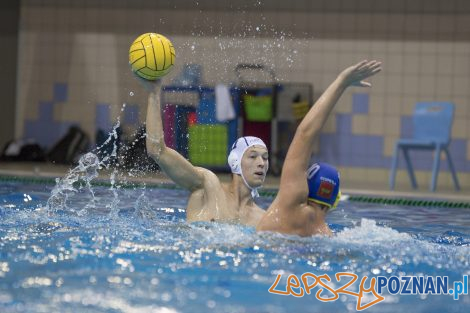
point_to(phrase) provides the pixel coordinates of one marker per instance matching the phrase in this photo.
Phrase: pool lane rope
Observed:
(410, 202)
(269, 193)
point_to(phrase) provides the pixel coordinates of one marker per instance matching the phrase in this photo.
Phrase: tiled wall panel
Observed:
(82, 48)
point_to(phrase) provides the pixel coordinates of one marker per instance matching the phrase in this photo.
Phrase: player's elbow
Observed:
(155, 151)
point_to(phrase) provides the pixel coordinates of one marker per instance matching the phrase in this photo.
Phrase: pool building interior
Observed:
(65, 63)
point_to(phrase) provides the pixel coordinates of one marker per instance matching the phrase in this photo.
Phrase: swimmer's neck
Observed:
(240, 191)
(319, 210)
(319, 213)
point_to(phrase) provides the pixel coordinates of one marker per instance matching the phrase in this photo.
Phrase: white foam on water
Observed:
(370, 234)
(109, 301)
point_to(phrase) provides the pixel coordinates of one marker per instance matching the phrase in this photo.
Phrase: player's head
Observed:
(323, 185)
(249, 159)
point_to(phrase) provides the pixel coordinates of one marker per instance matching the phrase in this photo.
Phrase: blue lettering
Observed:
(406, 280)
(393, 289)
(458, 288)
(418, 284)
(430, 288)
(441, 285)
(381, 282)
(465, 285)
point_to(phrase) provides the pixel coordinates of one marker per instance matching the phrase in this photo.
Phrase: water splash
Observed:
(245, 41)
(113, 206)
(112, 137)
(143, 211)
(84, 172)
(78, 180)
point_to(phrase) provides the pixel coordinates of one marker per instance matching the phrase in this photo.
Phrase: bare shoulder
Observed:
(288, 201)
(292, 194)
(253, 216)
(259, 214)
(210, 178)
(209, 202)
(202, 203)
(285, 219)
(211, 184)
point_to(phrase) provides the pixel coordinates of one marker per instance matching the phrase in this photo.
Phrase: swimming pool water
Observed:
(130, 250)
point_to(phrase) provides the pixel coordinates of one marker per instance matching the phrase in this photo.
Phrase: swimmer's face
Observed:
(255, 165)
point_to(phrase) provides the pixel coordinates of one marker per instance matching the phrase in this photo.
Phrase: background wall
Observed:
(73, 65)
(9, 17)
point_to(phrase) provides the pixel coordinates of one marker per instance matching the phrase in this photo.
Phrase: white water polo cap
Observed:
(235, 157)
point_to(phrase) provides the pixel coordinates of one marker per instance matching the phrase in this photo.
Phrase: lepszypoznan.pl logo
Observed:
(404, 285)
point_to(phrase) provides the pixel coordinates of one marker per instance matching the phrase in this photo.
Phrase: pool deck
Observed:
(48, 170)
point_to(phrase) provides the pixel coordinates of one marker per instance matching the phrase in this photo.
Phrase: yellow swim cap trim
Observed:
(338, 197)
(330, 207)
(320, 202)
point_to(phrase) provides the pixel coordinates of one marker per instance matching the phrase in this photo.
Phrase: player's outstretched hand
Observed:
(149, 85)
(355, 75)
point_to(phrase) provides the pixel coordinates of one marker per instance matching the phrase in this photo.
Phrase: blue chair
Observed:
(432, 123)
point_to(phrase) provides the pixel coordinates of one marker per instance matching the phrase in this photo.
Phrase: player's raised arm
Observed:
(151, 56)
(180, 170)
(293, 185)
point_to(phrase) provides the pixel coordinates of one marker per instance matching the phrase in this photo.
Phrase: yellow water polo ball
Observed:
(151, 56)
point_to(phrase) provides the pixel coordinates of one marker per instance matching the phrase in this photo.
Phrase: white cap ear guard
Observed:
(235, 157)
(234, 162)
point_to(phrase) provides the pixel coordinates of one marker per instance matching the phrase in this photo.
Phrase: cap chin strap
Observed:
(254, 191)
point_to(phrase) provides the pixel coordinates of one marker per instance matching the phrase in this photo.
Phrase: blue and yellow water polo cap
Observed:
(323, 184)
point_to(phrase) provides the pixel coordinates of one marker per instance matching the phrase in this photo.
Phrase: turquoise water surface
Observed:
(75, 247)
